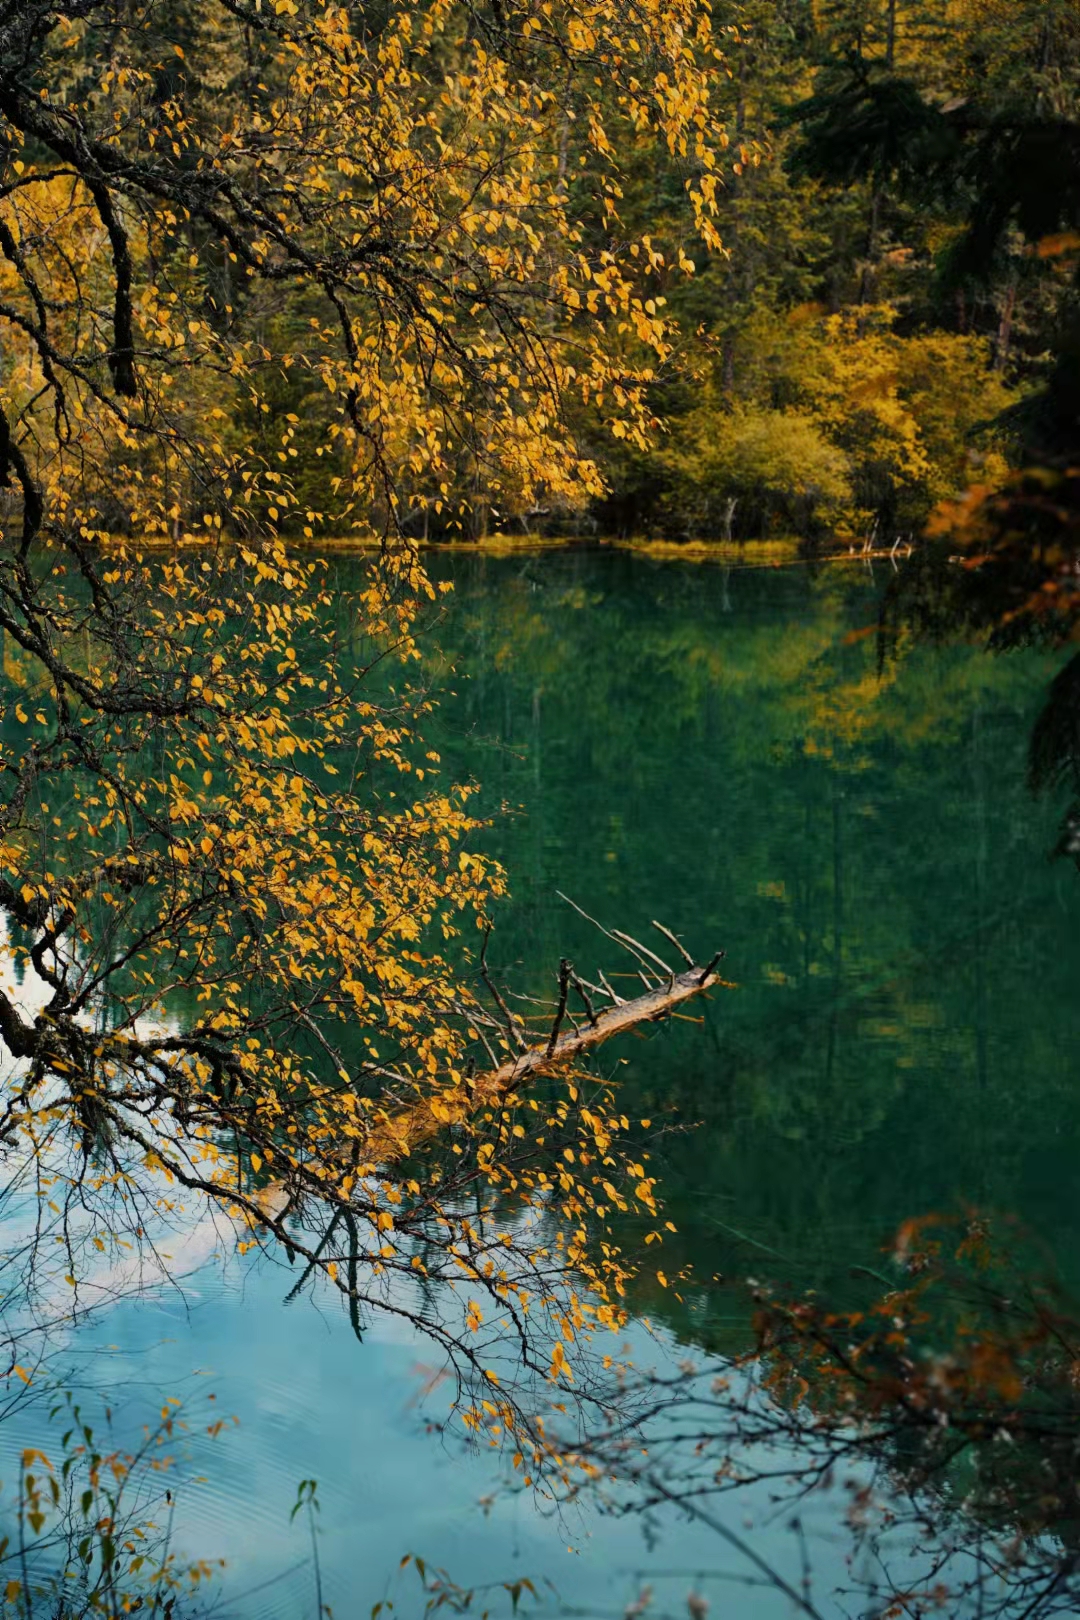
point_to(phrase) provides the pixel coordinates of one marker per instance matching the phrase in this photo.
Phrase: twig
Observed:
(597, 989)
(678, 944)
(315, 1258)
(617, 999)
(586, 916)
(616, 935)
(513, 1031)
(565, 971)
(583, 993)
(642, 952)
(705, 972)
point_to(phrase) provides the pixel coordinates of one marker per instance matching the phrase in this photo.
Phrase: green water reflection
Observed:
(717, 748)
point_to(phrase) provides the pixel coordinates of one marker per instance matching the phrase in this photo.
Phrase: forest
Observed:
(893, 317)
(539, 807)
(857, 291)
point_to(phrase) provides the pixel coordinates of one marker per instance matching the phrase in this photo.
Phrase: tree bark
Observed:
(1004, 332)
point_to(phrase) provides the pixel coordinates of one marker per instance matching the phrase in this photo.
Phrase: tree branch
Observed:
(402, 1134)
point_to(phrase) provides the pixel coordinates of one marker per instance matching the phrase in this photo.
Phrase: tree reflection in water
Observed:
(1004, 567)
(946, 1405)
(943, 1411)
(943, 1405)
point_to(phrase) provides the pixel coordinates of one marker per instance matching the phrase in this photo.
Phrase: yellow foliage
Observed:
(872, 420)
(242, 893)
(418, 193)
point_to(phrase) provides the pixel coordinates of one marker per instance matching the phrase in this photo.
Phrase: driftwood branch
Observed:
(402, 1134)
(397, 1135)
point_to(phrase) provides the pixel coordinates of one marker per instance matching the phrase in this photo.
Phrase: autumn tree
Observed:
(239, 899)
(907, 157)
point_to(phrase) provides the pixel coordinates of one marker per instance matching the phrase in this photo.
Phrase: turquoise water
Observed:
(717, 749)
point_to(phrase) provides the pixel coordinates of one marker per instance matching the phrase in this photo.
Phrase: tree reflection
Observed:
(1003, 567)
(945, 1407)
(943, 1412)
(1055, 752)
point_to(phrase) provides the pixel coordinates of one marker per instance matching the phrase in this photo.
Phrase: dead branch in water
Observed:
(397, 1137)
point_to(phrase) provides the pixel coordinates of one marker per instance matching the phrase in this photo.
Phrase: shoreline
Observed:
(737, 554)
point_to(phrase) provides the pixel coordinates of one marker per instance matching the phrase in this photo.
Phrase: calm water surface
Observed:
(717, 749)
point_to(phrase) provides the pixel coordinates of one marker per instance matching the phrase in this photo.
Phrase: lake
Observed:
(722, 750)
(717, 749)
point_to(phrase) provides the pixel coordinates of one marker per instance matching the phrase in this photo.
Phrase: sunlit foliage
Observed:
(900, 270)
(202, 200)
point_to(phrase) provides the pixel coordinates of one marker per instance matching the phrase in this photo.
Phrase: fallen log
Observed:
(400, 1135)
(394, 1137)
